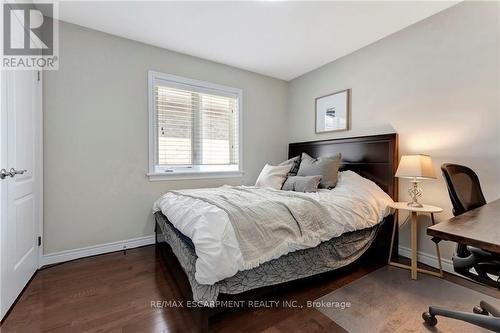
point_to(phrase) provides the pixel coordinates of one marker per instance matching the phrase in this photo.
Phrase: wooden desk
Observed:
(479, 227)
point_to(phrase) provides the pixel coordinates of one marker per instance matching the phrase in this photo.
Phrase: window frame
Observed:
(198, 172)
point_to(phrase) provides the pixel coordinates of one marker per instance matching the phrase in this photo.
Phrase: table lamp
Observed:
(415, 167)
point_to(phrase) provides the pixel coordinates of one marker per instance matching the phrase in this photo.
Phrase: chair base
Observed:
(481, 316)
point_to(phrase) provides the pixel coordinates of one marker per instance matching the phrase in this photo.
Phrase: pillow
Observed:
(295, 162)
(302, 183)
(273, 176)
(327, 167)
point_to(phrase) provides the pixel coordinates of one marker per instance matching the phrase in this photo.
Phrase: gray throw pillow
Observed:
(302, 183)
(295, 162)
(327, 167)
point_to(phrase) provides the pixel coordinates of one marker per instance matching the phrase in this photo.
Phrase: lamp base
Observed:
(415, 192)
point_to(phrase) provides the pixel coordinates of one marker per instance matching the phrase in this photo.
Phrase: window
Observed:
(194, 128)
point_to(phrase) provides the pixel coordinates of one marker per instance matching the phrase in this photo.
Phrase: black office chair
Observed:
(465, 194)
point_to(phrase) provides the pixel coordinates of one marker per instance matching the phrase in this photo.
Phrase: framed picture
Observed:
(332, 112)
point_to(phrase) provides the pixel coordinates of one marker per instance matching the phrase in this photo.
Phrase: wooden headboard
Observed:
(374, 157)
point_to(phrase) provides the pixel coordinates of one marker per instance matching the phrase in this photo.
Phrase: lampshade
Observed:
(415, 166)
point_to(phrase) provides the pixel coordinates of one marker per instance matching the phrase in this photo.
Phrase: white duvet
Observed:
(355, 202)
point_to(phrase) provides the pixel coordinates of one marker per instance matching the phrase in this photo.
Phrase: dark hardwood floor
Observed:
(113, 293)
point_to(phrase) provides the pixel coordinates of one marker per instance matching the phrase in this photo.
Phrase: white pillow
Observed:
(273, 176)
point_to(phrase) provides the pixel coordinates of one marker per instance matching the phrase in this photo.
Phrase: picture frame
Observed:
(332, 112)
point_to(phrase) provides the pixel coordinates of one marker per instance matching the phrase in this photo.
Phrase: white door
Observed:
(20, 196)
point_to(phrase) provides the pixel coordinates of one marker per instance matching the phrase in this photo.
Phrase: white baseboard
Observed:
(428, 259)
(58, 257)
(62, 256)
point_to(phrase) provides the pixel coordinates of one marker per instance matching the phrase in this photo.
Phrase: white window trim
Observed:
(185, 173)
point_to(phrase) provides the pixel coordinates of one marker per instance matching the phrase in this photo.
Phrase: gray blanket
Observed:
(269, 223)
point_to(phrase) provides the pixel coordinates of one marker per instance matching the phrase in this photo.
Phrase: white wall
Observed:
(436, 83)
(96, 135)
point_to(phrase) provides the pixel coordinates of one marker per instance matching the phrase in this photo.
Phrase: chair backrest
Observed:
(463, 187)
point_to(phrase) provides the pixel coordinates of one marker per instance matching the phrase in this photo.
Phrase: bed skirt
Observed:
(327, 256)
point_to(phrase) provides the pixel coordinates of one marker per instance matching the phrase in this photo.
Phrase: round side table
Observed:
(414, 234)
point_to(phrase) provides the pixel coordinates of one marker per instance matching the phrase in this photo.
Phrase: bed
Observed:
(372, 157)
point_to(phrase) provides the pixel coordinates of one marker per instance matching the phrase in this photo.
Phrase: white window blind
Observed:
(196, 126)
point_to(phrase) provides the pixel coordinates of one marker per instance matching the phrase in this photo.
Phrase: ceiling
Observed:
(275, 38)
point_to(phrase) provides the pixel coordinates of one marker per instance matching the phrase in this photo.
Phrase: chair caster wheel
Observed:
(430, 320)
(480, 310)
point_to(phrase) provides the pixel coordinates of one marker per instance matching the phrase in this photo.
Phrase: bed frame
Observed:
(374, 157)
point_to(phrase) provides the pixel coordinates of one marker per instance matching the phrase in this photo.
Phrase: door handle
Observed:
(4, 174)
(12, 172)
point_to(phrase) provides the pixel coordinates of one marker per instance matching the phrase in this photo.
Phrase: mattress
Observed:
(183, 238)
(354, 204)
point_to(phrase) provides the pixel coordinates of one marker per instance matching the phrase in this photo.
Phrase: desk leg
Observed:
(437, 250)
(414, 231)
